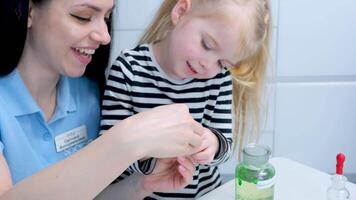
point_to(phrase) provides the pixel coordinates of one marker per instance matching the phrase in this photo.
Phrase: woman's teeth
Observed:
(85, 51)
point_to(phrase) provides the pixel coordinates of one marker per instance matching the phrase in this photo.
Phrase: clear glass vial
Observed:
(254, 176)
(337, 190)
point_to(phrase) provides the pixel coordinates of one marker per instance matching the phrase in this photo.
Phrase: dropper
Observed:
(340, 159)
(337, 190)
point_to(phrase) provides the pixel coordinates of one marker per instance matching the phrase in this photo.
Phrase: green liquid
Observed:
(254, 183)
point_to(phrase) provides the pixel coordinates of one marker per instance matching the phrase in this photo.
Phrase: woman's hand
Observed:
(162, 132)
(170, 174)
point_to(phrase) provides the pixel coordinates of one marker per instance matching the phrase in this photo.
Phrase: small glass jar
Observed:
(338, 191)
(254, 176)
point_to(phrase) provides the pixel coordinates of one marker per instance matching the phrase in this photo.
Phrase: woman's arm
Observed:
(5, 176)
(82, 175)
(128, 189)
(86, 173)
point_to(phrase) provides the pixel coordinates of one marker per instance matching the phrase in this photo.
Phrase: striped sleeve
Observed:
(220, 121)
(117, 104)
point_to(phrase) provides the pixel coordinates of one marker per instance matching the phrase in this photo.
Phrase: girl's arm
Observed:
(86, 173)
(220, 123)
(118, 102)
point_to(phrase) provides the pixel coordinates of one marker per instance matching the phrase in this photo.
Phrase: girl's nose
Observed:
(207, 64)
(101, 34)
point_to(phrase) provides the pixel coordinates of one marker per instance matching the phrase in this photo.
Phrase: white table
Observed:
(294, 181)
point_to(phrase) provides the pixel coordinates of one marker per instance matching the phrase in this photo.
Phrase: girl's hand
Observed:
(170, 174)
(208, 149)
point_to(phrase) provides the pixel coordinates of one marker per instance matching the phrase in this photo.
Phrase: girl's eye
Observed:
(82, 19)
(224, 65)
(221, 64)
(205, 46)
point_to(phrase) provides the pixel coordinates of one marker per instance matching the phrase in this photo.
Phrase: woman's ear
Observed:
(179, 10)
(30, 15)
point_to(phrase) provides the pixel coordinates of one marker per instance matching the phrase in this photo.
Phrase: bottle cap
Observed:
(340, 159)
(256, 154)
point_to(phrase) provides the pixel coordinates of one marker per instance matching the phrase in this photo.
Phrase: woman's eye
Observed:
(205, 46)
(83, 19)
(108, 20)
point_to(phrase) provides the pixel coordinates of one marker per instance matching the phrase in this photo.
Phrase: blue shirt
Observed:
(27, 141)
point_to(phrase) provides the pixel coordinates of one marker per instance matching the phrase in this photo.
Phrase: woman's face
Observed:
(64, 34)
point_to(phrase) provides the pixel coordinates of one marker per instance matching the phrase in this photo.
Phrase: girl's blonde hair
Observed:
(248, 75)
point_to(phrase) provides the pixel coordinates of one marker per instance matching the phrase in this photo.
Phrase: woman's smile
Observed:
(83, 55)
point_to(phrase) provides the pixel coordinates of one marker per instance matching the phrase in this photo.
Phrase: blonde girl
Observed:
(249, 73)
(203, 53)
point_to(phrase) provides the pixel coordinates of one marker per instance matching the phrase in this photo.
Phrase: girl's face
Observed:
(200, 47)
(64, 34)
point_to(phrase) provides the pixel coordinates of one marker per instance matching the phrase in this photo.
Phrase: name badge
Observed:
(70, 138)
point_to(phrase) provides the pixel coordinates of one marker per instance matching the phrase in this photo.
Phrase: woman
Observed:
(49, 117)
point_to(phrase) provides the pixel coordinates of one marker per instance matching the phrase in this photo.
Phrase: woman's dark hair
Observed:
(13, 22)
(13, 18)
(96, 68)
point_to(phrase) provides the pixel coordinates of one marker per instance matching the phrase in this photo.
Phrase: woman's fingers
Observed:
(165, 131)
(186, 168)
(182, 132)
(195, 140)
(187, 176)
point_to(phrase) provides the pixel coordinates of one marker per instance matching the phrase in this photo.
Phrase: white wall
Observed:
(315, 111)
(312, 107)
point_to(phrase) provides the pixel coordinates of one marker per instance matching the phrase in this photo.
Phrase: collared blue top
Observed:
(27, 141)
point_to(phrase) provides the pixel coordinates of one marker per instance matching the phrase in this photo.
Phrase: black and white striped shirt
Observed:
(135, 83)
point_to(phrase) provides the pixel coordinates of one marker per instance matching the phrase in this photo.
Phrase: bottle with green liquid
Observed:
(254, 176)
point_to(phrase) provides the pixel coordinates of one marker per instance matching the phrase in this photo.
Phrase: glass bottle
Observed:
(337, 190)
(254, 176)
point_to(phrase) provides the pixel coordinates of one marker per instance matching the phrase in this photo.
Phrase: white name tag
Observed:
(70, 138)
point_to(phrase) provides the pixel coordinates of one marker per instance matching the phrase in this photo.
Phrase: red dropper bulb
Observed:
(340, 159)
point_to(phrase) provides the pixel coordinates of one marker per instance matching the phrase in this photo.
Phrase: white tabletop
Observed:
(294, 181)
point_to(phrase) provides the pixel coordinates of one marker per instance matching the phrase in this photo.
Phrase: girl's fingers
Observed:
(192, 160)
(200, 156)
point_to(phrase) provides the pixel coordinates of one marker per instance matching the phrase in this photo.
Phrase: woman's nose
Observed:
(101, 34)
